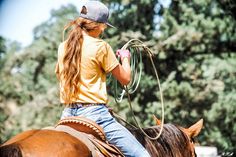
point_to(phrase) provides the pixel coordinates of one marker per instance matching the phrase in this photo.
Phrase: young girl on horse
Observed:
(83, 62)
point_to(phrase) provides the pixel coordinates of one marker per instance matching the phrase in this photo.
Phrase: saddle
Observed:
(93, 132)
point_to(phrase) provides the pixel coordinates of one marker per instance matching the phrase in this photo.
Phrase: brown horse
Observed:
(174, 142)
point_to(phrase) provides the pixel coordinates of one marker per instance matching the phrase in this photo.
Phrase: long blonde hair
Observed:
(70, 74)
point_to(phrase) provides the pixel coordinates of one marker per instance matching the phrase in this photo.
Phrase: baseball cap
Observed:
(95, 11)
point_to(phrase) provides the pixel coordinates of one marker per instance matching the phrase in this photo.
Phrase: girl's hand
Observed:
(123, 54)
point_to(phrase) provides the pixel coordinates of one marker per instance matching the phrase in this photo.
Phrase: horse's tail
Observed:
(11, 150)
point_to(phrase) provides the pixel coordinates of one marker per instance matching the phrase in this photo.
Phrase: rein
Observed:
(137, 48)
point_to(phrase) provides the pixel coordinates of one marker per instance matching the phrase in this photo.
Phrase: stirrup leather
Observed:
(108, 150)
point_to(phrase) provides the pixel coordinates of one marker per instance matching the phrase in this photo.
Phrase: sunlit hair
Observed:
(70, 75)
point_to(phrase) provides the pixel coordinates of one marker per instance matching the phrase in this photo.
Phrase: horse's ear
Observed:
(195, 129)
(158, 122)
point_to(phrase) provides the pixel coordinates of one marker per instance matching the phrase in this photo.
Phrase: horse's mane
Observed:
(172, 142)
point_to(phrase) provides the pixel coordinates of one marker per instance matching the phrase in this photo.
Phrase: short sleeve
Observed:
(107, 58)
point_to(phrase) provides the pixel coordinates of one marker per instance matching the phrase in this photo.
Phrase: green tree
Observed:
(194, 45)
(29, 92)
(203, 60)
(195, 56)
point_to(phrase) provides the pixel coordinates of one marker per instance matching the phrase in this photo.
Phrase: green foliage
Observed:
(28, 92)
(196, 62)
(194, 55)
(2, 46)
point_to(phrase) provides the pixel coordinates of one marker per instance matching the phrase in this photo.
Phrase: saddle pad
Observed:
(84, 125)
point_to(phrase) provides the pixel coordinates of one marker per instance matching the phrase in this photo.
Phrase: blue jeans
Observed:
(116, 134)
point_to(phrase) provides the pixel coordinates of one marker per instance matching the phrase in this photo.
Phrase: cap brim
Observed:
(110, 25)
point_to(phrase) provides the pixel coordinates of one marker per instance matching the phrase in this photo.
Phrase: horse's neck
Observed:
(172, 141)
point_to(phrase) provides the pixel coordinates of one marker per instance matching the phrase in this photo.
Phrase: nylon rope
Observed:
(136, 48)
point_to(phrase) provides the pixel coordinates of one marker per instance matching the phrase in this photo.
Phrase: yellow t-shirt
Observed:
(97, 59)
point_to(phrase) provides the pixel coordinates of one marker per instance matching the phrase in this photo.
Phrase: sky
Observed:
(18, 18)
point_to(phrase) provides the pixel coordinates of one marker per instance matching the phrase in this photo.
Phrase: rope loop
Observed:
(137, 48)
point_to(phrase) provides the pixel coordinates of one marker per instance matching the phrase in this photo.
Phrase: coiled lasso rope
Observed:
(136, 48)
